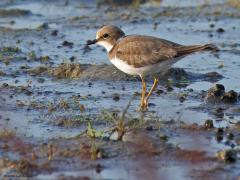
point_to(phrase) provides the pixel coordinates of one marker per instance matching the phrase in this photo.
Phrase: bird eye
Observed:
(105, 36)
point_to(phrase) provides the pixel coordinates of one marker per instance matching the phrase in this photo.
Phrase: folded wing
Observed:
(140, 51)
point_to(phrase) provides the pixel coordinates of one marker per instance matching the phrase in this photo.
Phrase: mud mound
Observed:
(14, 12)
(217, 94)
(88, 72)
(67, 71)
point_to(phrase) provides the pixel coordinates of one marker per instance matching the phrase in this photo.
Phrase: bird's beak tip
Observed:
(90, 42)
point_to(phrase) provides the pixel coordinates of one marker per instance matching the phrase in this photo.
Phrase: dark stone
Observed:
(208, 124)
(228, 156)
(220, 30)
(5, 84)
(164, 137)
(116, 97)
(212, 25)
(72, 58)
(54, 33)
(151, 105)
(169, 89)
(230, 97)
(67, 44)
(98, 168)
(215, 93)
(158, 92)
(182, 98)
(149, 128)
(230, 136)
(219, 134)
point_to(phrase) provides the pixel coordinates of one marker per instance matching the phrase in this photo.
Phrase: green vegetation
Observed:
(14, 12)
(32, 55)
(10, 49)
(5, 133)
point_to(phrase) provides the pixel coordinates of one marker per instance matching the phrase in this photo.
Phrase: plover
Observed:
(142, 55)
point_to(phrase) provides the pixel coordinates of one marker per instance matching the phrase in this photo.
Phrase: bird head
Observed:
(107, 37)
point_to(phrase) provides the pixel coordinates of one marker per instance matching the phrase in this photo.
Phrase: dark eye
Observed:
(105, 36)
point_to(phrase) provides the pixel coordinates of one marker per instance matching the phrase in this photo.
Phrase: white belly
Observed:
(142, 71)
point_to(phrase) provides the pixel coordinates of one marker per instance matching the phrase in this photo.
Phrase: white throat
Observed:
(106, 45)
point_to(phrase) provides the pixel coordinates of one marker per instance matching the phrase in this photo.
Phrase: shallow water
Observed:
(77, 22)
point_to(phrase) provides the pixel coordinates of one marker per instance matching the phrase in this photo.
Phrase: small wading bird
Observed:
(142, 55)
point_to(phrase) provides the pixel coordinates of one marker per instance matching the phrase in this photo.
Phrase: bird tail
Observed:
(184, 50)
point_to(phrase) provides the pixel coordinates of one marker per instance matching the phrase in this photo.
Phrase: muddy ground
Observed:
(67, 113)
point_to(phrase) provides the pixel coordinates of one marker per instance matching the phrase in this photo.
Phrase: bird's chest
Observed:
(130, 69)
(123, 66)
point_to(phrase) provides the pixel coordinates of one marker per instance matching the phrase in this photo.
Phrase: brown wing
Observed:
(140, 51)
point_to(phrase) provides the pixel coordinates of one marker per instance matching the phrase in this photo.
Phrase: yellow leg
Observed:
(150, 92)
(144, 88)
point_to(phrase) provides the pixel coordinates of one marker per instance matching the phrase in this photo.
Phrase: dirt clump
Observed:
(217, 94)
(116, 97)
(2, 73)
(219, 134)
(208, 124)
(64, 122)
(228, 156)
(25, 167)
(14, 12)
(230, 97)
(66, 71)
(67, 44)
(38, 70)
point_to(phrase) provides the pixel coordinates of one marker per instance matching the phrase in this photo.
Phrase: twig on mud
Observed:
(127, 107)
(121, 128)
(81, 134)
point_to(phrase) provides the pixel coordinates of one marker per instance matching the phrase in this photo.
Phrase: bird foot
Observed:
(141, 109)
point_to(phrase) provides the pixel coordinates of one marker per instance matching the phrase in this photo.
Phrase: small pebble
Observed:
(67, 43)
(182, 99)
(169, 89)
(160, 91)
(219, 134)
(230, 136)
(208, 124)
(72, 58)
(220, 30)
(212, 25)
(164, 137)
(151, 105)
(149, 128)
(116, 97)
(54, 33)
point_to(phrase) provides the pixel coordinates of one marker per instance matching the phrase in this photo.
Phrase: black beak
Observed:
(90, 42)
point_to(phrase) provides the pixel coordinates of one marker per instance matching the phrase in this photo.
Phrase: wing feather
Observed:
(140, 51)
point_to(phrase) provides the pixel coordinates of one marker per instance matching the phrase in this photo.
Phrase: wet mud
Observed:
(67, 113)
